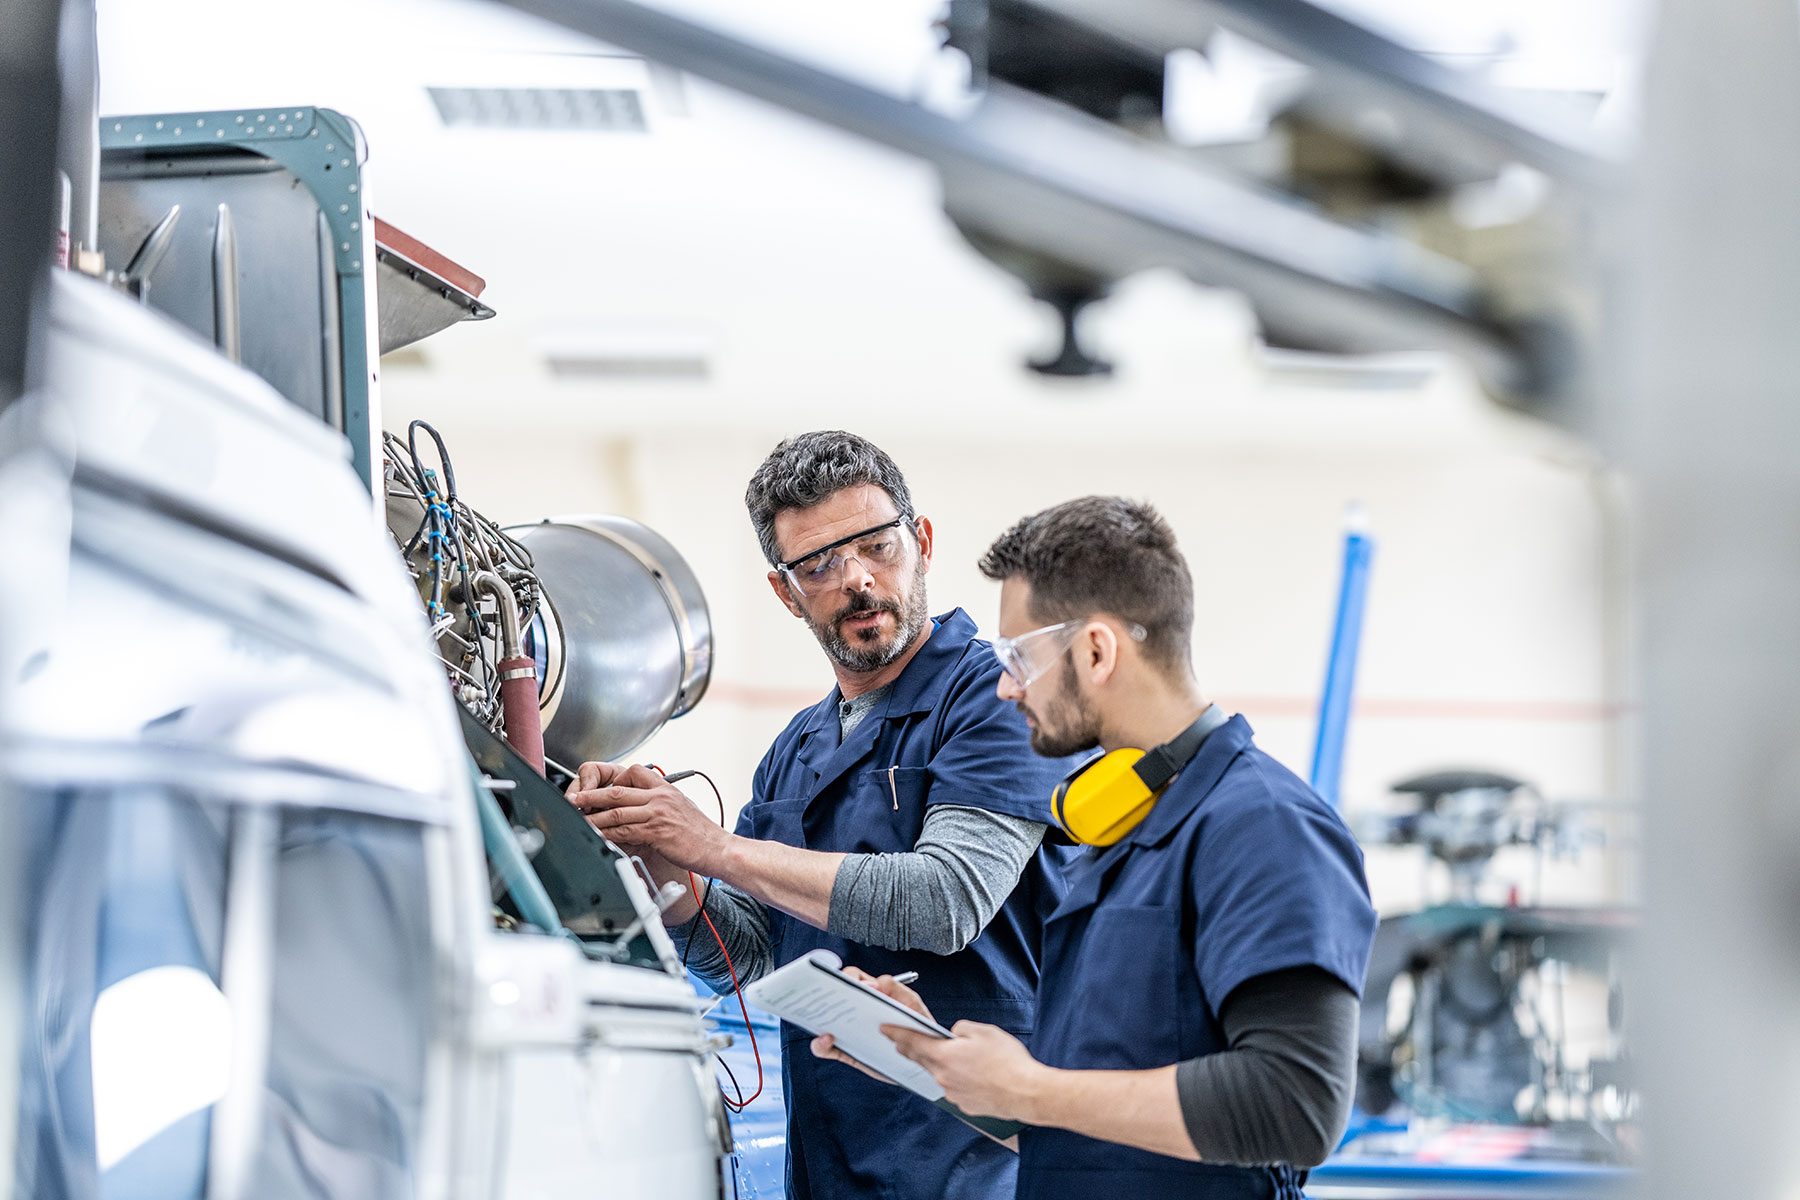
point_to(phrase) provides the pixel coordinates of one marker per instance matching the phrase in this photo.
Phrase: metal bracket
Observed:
(325, 151)
(322, 148)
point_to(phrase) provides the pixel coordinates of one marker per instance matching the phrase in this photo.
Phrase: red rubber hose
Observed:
(519, 710)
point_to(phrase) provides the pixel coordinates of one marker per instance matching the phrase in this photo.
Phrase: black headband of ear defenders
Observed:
(1158, 766)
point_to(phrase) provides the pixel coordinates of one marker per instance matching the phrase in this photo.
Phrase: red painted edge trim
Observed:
(412, 249)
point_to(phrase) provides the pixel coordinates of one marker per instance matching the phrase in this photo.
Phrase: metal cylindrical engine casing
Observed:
(630, 636)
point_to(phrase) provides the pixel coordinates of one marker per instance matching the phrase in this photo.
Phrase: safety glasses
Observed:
(1034, 652)
(878, 548)
(1029, 655)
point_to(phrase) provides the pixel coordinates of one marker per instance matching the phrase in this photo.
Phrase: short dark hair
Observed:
(809, 469)
(1104, 554)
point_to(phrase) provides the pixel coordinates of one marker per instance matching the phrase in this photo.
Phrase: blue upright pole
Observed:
(1340, 669)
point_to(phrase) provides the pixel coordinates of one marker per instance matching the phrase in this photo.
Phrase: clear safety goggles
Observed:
(1026, 657)
(879, 549)
(1029, 655)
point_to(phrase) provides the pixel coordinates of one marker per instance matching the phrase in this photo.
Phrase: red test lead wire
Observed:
(743, 1008)
(731, 969)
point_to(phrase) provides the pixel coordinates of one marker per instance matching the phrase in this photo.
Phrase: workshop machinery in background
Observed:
(1493, 1056)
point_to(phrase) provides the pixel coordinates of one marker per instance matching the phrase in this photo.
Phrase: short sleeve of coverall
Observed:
(984, 757)
(1278, 884)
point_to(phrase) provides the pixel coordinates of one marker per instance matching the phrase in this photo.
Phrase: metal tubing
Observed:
(512, 644)
(226, 324)
(150, 253)
(331, 340)
(1092, 196)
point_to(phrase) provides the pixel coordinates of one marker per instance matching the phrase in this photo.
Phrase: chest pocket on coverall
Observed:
(1125, 967)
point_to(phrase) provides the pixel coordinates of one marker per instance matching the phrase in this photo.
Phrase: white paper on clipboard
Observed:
(813, 993)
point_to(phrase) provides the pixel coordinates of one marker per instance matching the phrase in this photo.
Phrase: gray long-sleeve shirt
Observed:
(937, 896)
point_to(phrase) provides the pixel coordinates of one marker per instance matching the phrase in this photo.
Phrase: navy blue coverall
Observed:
(940, 736)
(1239, 870)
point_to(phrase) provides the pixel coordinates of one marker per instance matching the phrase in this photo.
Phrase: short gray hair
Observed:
(809, 469)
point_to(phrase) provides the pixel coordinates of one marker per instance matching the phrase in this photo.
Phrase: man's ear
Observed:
(1097, 651)
(922, 526)
(778, 584)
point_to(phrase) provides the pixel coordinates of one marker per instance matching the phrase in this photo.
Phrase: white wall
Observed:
(1488, 617)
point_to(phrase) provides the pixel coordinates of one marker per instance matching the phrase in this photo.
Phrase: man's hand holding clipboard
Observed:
(862, 1019)
(825, 1046)
(969, 1066)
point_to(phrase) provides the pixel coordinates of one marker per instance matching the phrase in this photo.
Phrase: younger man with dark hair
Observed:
(1198, 1000)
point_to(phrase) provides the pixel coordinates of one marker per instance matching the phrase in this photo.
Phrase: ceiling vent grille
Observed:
(611, 110)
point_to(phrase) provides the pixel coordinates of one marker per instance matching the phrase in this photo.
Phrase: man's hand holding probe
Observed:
(645, 814)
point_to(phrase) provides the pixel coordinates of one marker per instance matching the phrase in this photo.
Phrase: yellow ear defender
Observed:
(1109, 795)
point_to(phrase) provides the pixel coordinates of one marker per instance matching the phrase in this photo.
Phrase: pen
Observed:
(907, 977)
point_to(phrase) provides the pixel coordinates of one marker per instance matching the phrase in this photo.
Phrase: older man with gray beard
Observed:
(898, 823)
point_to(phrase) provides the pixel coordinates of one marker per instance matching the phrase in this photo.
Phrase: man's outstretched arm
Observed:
(937, 896)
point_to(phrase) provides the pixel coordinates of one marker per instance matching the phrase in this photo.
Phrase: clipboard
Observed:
(814, 993)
